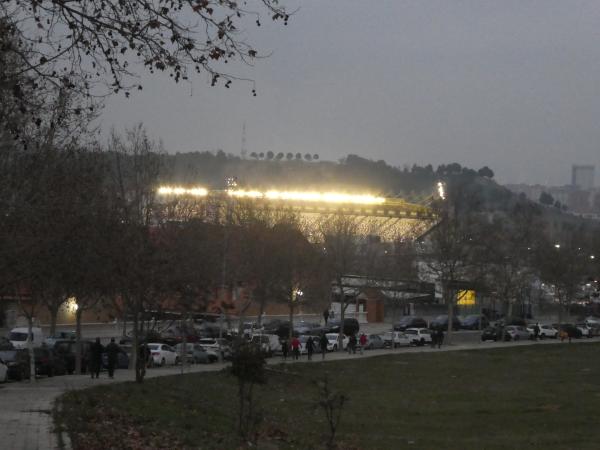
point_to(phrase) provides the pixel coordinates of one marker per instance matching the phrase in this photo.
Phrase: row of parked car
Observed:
(521, 331)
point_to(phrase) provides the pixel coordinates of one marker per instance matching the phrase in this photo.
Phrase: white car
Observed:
(163, 354)
(304, 339)
(398, 338)
(212, 347)
(586, 330)
(546, 331)
(418, 336)
(332, 342)
(3, 372)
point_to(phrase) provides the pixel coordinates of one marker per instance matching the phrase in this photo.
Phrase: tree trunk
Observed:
(140, 369)
(291, 313)
(78, 355)
(447, 294)
(30, 348)
(342, 315)
(53, 318)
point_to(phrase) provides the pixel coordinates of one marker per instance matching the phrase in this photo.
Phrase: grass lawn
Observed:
(533, 397)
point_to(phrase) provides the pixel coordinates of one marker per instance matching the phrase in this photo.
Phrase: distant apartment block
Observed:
(583, 177)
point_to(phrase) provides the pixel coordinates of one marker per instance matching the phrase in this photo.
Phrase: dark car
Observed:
(351, 326)
(122, 360)
(5, 344)
(66, 349)
(472, 322)
(410, 322)
(441, 322)
(17, 362)
(571, 330)
(48, 363)
(492, 334)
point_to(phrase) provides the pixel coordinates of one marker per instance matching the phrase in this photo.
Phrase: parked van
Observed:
(269, 343)
(18, 337)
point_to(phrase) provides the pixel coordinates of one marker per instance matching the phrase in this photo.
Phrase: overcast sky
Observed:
(510, 84)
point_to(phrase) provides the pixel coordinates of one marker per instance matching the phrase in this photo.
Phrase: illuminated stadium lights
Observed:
(300, 196)
(324, 197)
(177, 190)
(244, 194)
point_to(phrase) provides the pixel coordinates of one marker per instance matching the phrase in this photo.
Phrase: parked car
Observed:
(546, 331)
(304, 339)
(194, 354)
(163, 354)
(418, 336)
(516, 333)
(66, 349)
(18, 337)
(332, 342)
(442, 322)
(17, 362)
(351, 326)
(3, 372)
(492, 334)
(586, 330)
(122, 359)
(571, 330)
(269, 343)
(59, 336)
(47, 363)
(472, 322)
(395, 339)
(212, 347)
(374, 341)
(410, 322)
(5, 344)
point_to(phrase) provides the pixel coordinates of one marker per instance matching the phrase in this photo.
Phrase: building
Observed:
(583, 176)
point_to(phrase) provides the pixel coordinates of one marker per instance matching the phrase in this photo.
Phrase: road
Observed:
(26, 412)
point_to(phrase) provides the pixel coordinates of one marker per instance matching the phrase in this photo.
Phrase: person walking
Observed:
(310, 347)
(323, 342)
(296, 347)
(352, 344)
(440, 337)
(112, 353)
(96, 350)
(363, 342)
(285, 348)
(326, 316)
(434, 338)
(536, 331)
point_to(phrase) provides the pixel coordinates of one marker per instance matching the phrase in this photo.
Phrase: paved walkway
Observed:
(26, 407)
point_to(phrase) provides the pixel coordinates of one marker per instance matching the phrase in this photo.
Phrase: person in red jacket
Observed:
(296, 347)
(363, 342)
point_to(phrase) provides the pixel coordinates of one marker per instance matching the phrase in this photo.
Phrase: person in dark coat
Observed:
(284, 349)
(310, 347)
(323, 342)
(326, 316)
(440, 337)
(112, 353)
(352, 344)
(96, 350)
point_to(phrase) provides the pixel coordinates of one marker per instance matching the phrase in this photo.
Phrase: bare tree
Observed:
(340, 237)
(96, 48)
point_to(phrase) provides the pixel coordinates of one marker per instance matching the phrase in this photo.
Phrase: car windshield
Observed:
(17, 336)
(438, 318)
(411, 331)
(332, 336)
(153, 346)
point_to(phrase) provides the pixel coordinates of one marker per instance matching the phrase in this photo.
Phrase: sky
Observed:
(514, 85)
